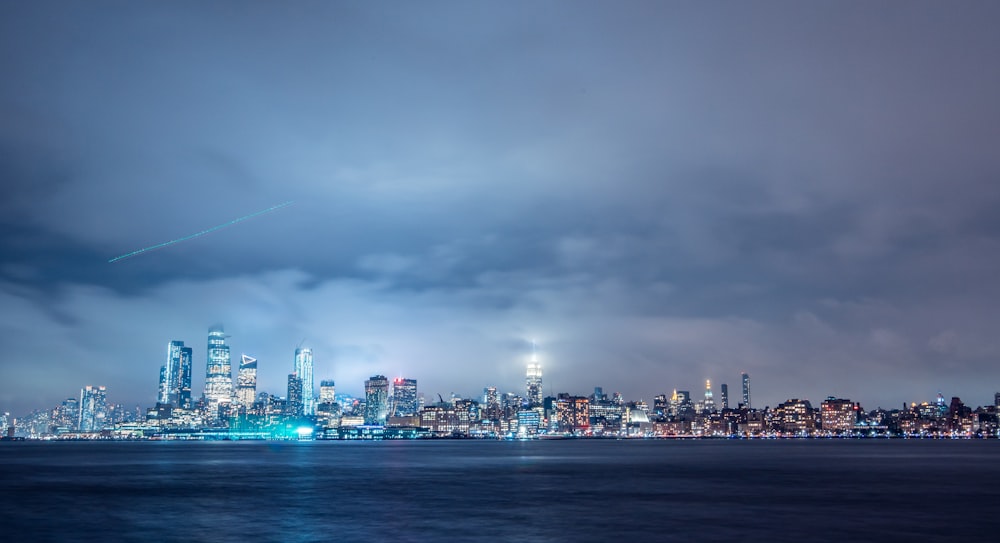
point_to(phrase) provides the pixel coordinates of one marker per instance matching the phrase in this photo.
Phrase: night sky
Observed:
(658, 193)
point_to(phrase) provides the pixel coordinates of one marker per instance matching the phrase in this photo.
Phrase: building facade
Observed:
(218, 372)
(376, 399)
(304, 369)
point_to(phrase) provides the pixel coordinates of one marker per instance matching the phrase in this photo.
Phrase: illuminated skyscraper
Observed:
(746, 390)
(533, 380)
(376, 398)
(492, 402)
(725, 395)
(327, 392)
(404, 394)
(709, 401)
(246, 381)
(294, 405)
(93, 409)
(304, 369)
(175, 376)
(218, 371)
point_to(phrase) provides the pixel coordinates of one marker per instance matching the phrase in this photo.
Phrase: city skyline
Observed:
(658, 193)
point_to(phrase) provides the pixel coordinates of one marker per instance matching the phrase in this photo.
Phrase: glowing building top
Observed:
(533, 379)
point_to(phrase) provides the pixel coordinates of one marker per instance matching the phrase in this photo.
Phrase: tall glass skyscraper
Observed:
(294, 405)
(246, 381)
(376, 399)
(218, 371)
(93, 408)
(533, 381)
(404, 397)
(304, 371)
(746, 390)
(175, 376)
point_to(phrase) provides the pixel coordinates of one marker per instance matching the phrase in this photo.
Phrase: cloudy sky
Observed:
(658, 193)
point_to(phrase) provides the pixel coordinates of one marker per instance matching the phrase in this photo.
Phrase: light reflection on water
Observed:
(497, 491)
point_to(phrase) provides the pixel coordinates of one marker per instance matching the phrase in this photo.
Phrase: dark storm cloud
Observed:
(658, 193)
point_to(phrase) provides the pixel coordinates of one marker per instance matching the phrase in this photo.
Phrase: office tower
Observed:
(170, 375)
(184, 379)
(725, 395)
(246, 381)
(746, 390)
(294, 405)
(996, 399)
(93, 408)
(327, 392)
(404, 393)
(304, 369)
(218, 371)
(492, 402)
(376, 398)
(533, 380)
(709, 405)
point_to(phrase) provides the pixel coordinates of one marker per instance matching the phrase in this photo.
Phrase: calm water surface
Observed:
(695, 491)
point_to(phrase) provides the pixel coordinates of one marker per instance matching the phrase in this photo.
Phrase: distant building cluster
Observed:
(394, 409)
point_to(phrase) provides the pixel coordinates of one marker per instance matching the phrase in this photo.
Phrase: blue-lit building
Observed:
(404, 397)
(218, 372)
(93, 408)
(376, 399)
(304, 371)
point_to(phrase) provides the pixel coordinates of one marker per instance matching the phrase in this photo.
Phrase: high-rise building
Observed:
(93, 408)
(725, 395)
(709, 404)
(376, 399)
(404, 394)
(246, 381)
(184, 378)
(492, 402)
(294, 405)
(175, 376)
(746, 390)
(218, 372)
(304, 369)
(327, 391)
(533, 380)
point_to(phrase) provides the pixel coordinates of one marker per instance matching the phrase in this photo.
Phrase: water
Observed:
(580, 490)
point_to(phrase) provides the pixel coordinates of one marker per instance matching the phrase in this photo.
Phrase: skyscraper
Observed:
(376, 397)
(304, 370)
(170, 374)
(246, 381)
(709, 405)
(492, 402)
(218, 371)
(93, 408)
(184, 378)
(746, 390)
(725, 395)
(294, 406)
(404, 394)
(533, 380)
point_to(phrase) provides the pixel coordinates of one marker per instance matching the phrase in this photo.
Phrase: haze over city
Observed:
(657, 195)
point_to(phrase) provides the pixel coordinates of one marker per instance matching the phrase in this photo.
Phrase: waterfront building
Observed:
(376, 399)
(304, 369)
(794, 417)
(218, 372)
(838, 415)
(93, 408)
(246, 382)
(572, 413)
(404, 394)
(533, 380)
